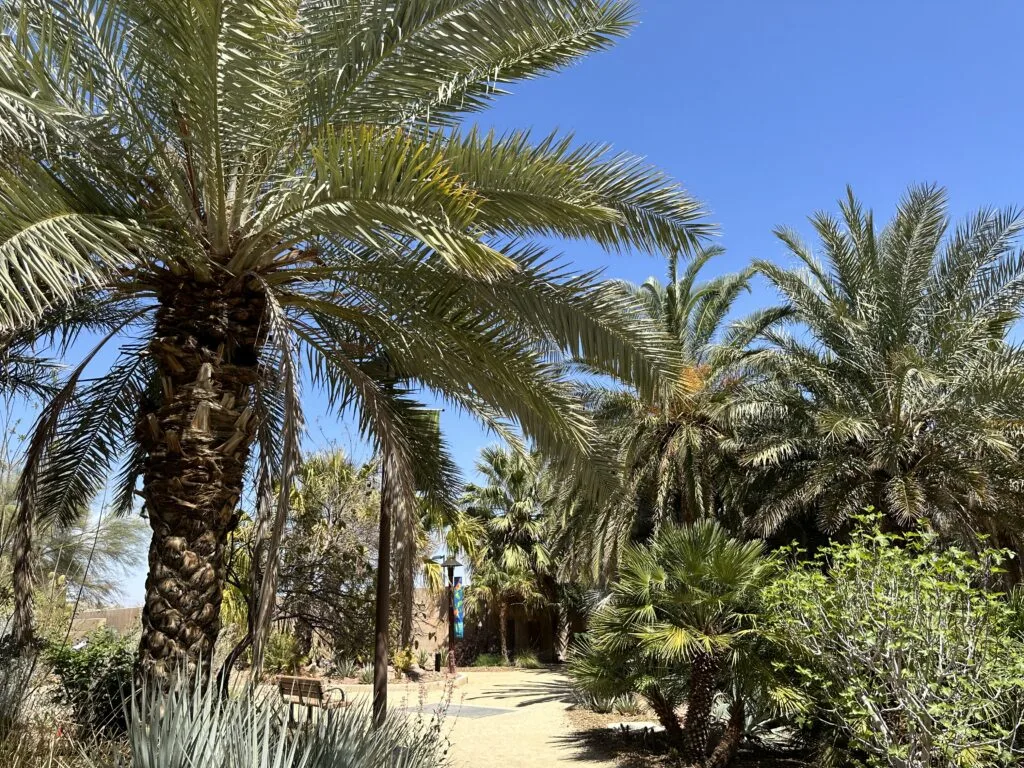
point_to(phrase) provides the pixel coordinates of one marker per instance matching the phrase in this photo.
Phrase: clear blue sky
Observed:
(766, 110)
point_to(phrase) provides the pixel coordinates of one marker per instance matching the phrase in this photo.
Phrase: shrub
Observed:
(345, 668)
(423, 659)
(282, 653)
(94, 679)
(489, 660)
(366, 674)
(909, 658)
(402, 661)
(528, 660)
(628, 705)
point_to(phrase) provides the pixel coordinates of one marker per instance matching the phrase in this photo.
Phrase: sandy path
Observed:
(513, 719)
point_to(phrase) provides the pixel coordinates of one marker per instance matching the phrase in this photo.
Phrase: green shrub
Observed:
(345, 668)
(423, 659)
(489, 660)
(528, 660)
(282, 653)
(94, 679)
(908, 658)
(402, 661)
(628, 705)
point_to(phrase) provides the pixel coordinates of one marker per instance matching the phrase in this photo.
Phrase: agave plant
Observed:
(257, 185)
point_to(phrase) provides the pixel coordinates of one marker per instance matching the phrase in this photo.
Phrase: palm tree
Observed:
(672, 449)
(899, 388)
(259, 185)
(511, 504)
(499, 588)
(680, 614)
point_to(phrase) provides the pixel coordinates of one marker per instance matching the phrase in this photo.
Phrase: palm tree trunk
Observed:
(383, 595)
(697, 720)
(666, 716)
(562, 632)
(727, 748)
(503, 629)
(196, 438)
(23, 575)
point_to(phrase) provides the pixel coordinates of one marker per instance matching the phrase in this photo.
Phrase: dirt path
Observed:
(514, 719)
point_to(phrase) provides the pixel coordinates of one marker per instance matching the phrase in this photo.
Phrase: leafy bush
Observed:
(909, 658)
(402, 661)
(528, 660)
(94, 679)
(282, 653)
(489, 660)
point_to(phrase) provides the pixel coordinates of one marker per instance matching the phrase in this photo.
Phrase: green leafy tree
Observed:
(259, 186)
(910, 660)
(680, 616)
(899, 386)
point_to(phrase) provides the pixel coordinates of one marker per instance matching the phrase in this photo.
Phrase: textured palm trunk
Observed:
(666, 716)
(383, 595)
(562, 632)
(503, 629)
(196, 441)
(727, 748)
(23, 573)
(700, 697)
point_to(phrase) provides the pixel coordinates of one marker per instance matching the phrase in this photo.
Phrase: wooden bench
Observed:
(308, 692)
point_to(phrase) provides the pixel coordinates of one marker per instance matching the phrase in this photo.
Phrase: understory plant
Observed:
(912, 659)
(678, 623)
(94, 679)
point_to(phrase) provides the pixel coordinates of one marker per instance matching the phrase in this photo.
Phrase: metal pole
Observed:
(451, 619)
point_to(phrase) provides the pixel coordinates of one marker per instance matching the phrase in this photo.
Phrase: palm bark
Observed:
(383, 595)
(196, 438)
(700, 697)
(23, 575)
(666, 716)
(727, 748)
(503, 629)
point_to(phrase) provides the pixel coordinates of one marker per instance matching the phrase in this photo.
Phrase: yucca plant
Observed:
(900, 386)
(257, 185)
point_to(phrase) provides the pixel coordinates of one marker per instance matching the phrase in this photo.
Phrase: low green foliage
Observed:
(423, 659)
(528, 660)
(402, 661)
(489, 660)
(365, 674)
(282, 653)
(910, 659)
(94, 679)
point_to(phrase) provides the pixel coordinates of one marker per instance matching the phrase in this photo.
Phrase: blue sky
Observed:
(766, 110)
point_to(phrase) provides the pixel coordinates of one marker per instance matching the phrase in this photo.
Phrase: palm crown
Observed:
(900, 388)
(247, 186)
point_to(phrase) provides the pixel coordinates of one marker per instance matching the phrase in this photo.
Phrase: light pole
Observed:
(451, 564)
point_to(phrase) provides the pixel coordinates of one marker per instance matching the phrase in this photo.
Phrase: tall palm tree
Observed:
(900, 386)
(677, 619)
(673, 448)
(511, 505)
(259, 185)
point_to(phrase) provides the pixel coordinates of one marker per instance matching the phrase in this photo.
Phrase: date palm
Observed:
(499, 588)
(672, 449)
(900, 386)
(271, 186)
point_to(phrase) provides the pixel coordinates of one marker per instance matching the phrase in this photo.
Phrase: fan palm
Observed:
(500, 588)
(681, 610)
(510, 504)
(900, 387)
(262, 184)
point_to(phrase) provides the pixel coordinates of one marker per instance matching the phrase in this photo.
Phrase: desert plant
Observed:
(365, 674)
(527, 660)
(345, 668)
(94, 679)
(402, 661)
(490, 660)
(422, 658)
